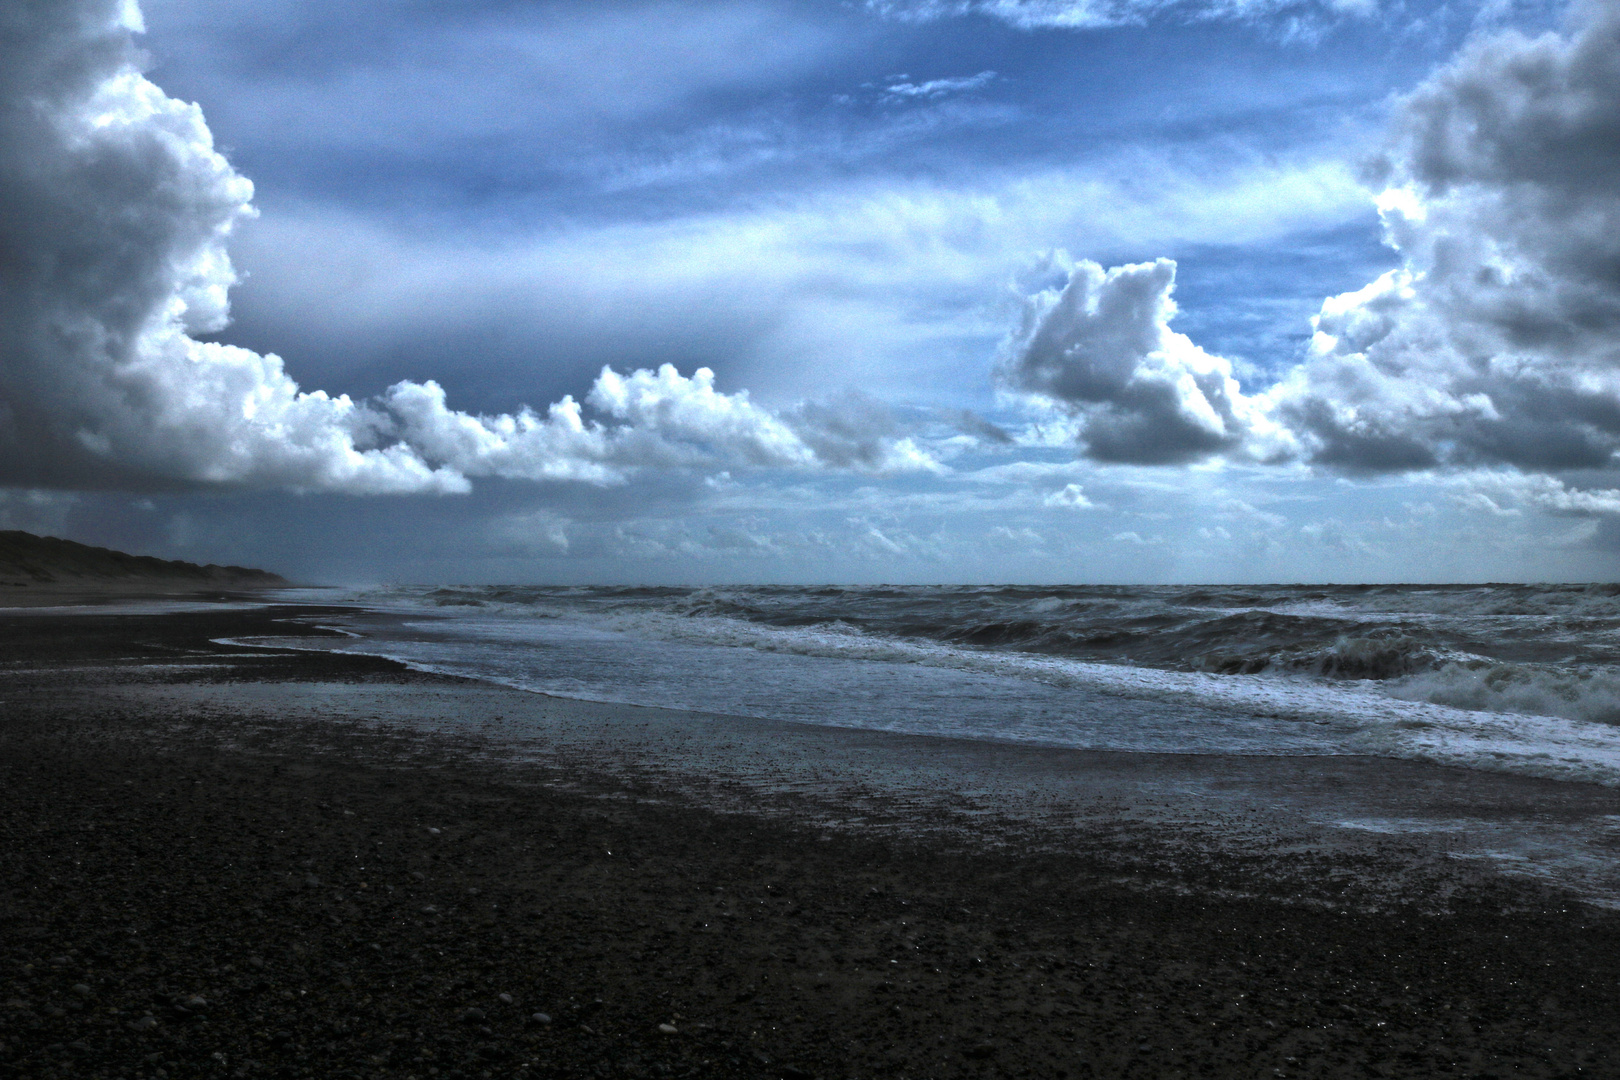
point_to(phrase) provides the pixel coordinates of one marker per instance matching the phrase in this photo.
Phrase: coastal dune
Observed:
(230, 861)
(37, 570)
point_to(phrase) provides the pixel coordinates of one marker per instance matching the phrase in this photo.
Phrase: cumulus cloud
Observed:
(1071, 496)
(1498, 340)
(115, 212)
(1495, 345)
(1102, 348)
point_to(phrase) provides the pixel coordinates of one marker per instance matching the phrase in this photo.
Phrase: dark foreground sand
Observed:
(221, 862)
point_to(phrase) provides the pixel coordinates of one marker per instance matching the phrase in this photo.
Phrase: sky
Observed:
(802, 291)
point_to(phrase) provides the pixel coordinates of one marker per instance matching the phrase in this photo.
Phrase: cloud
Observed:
(664, 419)
(412, 78)
(535, 533)
(45, 512)
(869, 540)
(1102, 348)
(1495, 344)
(977, 428)
(1099, 14)
(1498, 339)
(934, 89)
(1491, 490)
(115, 211)
(1071, 496)
(864, 282)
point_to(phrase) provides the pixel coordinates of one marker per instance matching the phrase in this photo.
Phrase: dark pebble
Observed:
(745, 930)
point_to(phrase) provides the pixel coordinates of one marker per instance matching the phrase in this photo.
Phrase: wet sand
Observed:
(219, 861)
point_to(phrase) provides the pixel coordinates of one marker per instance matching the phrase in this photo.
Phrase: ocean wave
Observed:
(1347, 717)
(1542, 650)
(1588, 694)
(1548, 744)
(1390, 654)
(1508, 692)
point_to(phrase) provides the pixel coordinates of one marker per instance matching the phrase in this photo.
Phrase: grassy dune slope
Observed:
(29, 560)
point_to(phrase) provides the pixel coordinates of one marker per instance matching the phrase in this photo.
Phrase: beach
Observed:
(231, 861)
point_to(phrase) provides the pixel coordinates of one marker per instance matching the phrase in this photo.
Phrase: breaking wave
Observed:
(1543, 650)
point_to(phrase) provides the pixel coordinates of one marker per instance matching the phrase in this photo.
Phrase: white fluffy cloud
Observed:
(115, 211)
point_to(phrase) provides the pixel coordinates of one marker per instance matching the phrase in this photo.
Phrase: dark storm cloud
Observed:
(1495, 343)
(1498, 341)
(113, 212)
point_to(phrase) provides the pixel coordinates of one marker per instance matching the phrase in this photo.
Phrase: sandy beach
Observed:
(221, 861)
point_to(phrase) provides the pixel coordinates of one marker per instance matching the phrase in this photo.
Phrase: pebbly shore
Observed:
(235, 891)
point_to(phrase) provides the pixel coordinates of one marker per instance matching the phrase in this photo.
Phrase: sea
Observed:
(1497, 681)
(1511, 678)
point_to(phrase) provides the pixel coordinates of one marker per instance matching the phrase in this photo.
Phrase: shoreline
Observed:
(156, 786)
(18, 599)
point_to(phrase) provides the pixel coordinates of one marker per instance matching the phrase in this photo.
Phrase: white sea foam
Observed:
(1543, 690)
